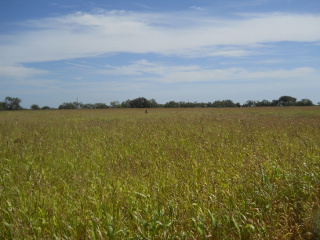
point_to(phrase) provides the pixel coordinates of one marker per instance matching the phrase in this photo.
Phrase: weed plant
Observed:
(249, 173)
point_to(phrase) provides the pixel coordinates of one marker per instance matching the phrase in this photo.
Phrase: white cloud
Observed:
(146, 70)
(230, 53)
(281, 74)
(86, 35)
(234, 74)
(143, 67)
(79, 66)
(18, 71)
(197, 8)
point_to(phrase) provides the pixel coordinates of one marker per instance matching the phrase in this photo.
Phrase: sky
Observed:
(98, 51)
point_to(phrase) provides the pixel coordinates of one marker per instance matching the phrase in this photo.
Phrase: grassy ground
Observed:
(249, 173)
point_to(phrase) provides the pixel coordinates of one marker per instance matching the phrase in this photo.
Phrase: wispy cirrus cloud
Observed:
(143, 67)
(183, 34)
(92, 34)
(18, 71)
(195, 73)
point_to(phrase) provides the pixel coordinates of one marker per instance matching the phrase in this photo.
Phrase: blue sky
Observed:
(101, 51)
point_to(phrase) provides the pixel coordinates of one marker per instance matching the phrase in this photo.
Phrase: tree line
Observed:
(13, 103)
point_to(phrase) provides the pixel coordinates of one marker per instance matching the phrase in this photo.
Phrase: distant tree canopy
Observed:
(172, 104)
(139, 102)
(217, 104)
(283, 101)
(13, 103)
(287, 101)
(304, 102)
(263, 103)
(225, 103)
(115, 104)
(77, 105)
(69, 105)
(35, 107)
(142, 102)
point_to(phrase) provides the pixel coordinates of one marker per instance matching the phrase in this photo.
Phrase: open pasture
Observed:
(249, 173)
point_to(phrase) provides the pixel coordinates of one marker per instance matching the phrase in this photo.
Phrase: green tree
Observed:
(275, 103)
(125, 104)
(249, 103)
(1, 106)
(225, 103)
(35, 107)
(11, 103)
(100, 106)
(115, 104)
(304, 102)
(287, 101)
(70, 105)
(153, 103)
(263, 103)
(87, 106)
(172, 104)
(140, 102)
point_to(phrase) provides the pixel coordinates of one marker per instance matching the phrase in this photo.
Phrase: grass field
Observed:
(250, 173)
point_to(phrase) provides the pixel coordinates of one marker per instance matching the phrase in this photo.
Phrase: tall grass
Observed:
(169, 174)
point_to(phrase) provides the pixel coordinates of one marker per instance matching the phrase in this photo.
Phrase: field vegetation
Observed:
(241, 173)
